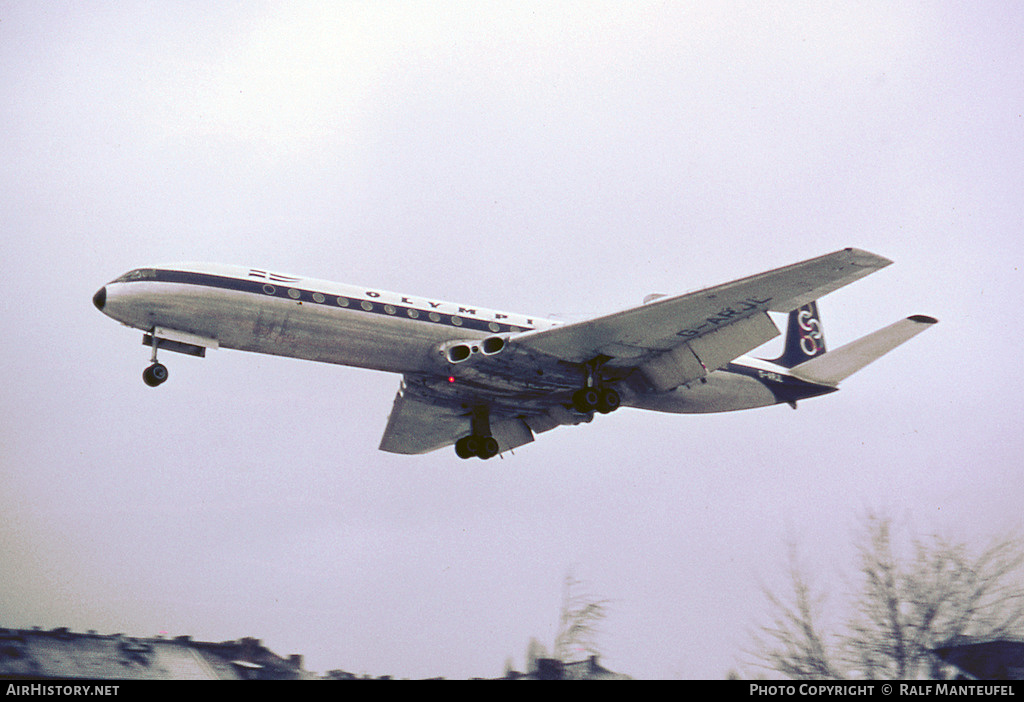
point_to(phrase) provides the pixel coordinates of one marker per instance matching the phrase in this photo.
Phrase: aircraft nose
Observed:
(100, 298)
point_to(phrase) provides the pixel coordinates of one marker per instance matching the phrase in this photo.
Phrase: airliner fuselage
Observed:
(254, 310)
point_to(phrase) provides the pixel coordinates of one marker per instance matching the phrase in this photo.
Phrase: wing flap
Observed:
(511, 433)
(696, 358)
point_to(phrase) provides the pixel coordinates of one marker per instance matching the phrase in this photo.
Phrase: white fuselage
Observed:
(254, 310)
(251, 310)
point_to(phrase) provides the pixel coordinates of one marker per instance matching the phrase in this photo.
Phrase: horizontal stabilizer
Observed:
(834, 366)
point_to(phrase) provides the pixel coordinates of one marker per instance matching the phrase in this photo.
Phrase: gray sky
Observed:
(527, 157)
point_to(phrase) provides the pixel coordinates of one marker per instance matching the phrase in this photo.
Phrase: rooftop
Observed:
(61, 653)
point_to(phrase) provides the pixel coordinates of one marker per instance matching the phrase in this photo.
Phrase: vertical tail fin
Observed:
(804, 337)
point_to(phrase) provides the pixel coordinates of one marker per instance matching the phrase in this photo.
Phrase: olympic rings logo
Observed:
(811, 339)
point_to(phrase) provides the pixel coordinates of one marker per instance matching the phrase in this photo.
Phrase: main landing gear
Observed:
(480, 446)
(603, 400)
(593, 396)
(479, 443)
(156, 374)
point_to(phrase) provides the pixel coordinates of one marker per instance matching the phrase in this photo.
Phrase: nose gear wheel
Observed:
(155, 375)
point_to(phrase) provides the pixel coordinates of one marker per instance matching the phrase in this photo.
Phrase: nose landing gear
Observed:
(156, 374)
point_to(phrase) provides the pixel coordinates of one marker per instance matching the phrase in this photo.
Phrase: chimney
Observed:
(550, 669)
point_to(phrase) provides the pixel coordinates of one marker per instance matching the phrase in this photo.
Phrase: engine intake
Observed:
(492, 345)
(461, 351)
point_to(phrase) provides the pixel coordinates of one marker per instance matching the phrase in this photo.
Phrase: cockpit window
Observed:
(137, 274)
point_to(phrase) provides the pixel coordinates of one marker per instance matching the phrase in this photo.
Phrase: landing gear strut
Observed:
(479, 443)
(156, 374)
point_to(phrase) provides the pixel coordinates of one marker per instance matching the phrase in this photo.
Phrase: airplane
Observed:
(489, 381)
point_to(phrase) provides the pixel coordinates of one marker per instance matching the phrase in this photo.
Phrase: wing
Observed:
(677, 339)
(416, 426)
(420, 423)
(669, 321)
(670, 341)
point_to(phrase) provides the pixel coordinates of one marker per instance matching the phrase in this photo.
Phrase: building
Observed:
(982, 659)
(554, 669)
(37, 654)
(60, 653)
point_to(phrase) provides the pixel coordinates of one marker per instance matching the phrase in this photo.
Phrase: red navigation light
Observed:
(451, 378)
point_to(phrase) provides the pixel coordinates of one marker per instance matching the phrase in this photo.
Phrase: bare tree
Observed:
(940, 593)
(535, 652)
(903, 607)
(794, 644)
(579, 622)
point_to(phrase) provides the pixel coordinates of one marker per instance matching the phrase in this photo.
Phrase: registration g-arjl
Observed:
(489, 381)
